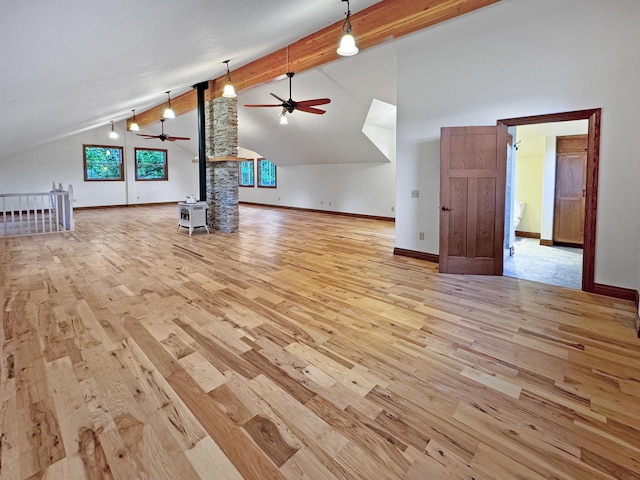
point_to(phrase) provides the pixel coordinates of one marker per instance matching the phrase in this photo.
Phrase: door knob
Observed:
(445, 209)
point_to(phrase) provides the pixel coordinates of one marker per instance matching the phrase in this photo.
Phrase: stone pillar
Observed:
(221, 120)
(222, 194)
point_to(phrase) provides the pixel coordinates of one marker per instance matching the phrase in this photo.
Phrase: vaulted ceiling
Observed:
(73, 65)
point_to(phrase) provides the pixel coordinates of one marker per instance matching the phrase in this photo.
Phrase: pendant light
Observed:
(347, 46)
(228, 91)
(168, 112)
(113, 134)
(133, 126)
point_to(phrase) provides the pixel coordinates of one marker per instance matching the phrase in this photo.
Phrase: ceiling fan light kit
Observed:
(163, 136)
(290, 105)
(347, 46)
(168, 112)
(228, 91)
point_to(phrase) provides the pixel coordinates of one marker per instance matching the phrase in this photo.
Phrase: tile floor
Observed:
(554, 265)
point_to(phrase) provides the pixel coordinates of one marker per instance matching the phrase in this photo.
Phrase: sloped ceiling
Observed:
(335, 137)
(73, 65)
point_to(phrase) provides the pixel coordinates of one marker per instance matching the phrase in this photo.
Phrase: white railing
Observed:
(36, 213)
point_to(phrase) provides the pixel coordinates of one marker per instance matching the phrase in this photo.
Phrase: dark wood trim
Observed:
(546, 243)
(593, 162)
(615, 292)
(92, 207)
(123, 164)
(637, 300)
(429, 257)
(527, 234)
(330, 212)
(17, 213)
(567, 244)
(166, 164)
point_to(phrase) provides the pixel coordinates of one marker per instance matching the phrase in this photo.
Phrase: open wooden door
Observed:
(472, 194)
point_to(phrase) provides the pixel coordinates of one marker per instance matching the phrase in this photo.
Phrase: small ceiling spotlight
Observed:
(113, 134)
(347, 46)
(229, 91)
(168, 112)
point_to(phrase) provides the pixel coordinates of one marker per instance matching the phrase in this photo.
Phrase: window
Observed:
(266, 173)
(103, 163)
(246, 173)
(151, 164)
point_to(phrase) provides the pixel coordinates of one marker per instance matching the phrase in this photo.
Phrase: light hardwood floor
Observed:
(299, 348)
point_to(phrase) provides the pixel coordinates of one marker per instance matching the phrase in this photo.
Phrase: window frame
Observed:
(253, 173)
(166, 164)
(106, 147)
(275, 174)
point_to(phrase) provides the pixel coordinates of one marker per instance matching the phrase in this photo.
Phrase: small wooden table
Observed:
(192, 215)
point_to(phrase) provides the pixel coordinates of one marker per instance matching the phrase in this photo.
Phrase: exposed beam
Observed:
(386, 20)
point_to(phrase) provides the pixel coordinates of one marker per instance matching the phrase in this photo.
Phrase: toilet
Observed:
(517, 213)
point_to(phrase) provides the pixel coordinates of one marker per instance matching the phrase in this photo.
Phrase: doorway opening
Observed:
(592, 118)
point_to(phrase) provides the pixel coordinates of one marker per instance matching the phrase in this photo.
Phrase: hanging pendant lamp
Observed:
(113, 134)
(228, 91)
(168, 112)
(347, 46)
(133, 126)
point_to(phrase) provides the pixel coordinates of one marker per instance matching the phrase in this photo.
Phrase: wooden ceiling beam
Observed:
(386, 20)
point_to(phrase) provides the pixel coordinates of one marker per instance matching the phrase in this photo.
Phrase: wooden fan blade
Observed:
(276, 96)
(173, 139)
(310, 110)
(315, 101)
(146, 136)
(265, 105)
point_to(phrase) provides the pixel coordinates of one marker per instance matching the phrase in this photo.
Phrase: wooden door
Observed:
(472, 189)
(571, 184)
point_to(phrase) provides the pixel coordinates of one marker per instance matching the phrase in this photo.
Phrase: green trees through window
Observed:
(151, 164)
(266, 173)
(103, 163)
(246, 176)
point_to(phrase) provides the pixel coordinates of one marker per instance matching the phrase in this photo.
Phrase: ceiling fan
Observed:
(291, 105)
(163, 136)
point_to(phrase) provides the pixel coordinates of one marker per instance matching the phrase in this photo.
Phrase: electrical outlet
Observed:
(321, 202)
(329, 203)
(393, 209)
(415, 193)
(421, 235)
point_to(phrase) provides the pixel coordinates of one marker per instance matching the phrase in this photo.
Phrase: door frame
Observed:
(593, 162)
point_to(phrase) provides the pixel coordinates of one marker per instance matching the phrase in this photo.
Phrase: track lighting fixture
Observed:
(347, 42)
(168, 112)
(229, 91)
(133, 126)
(113, 134)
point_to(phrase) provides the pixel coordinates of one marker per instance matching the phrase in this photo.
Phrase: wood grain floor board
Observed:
(299, 347)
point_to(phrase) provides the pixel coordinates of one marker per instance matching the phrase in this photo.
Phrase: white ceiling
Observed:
(71, 65)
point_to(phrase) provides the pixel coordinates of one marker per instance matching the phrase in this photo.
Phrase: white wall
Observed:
(529, 181)
(62, 162)
(365, 189)
(519, 58)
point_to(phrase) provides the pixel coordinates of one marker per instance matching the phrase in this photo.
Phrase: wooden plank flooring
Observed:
(299, 348)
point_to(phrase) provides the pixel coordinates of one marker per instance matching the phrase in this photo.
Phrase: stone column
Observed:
(221, 120)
